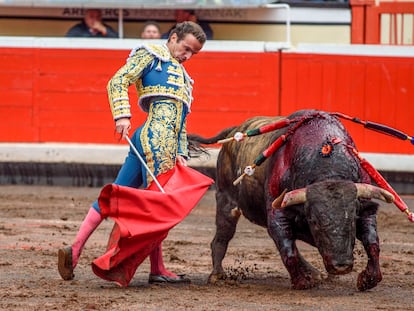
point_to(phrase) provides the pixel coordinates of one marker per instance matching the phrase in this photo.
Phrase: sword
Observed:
(144, 164)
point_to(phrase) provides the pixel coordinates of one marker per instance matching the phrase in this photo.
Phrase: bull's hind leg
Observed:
(367, 233)
(227, 216)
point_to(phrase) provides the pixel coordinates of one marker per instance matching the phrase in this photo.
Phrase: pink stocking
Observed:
(89, 224)
(157, 263)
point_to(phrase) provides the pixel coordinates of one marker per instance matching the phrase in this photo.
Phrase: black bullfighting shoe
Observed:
(163, 279)
(65, 263)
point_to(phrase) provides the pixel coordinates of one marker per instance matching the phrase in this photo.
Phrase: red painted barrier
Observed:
(378, 89)
(59, 95)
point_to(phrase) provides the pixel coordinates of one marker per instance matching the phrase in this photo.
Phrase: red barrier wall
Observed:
(59, 95)
(378, 89)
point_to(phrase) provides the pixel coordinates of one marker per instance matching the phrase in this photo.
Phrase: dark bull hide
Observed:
(329, 207)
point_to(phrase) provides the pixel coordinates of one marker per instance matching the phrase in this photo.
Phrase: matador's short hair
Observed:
(187, 27)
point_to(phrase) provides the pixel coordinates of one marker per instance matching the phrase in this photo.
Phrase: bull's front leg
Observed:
(227, 216)
(302, 274)
(367, 233)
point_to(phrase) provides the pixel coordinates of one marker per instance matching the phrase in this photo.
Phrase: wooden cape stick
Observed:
(144, 164)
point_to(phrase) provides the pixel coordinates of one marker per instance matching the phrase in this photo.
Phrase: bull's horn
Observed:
(368, 191)
(277, 203)
(297, 196)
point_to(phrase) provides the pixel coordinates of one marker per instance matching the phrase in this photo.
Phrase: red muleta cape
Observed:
(143, 219)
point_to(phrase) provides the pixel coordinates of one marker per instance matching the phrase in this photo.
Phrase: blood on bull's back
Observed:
(316, 150)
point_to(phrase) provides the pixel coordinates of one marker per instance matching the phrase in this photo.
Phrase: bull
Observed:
(312, 188)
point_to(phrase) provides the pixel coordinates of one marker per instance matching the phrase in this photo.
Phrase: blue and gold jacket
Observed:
(155, 73)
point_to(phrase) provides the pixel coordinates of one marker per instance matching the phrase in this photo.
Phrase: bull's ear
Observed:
(277, 203)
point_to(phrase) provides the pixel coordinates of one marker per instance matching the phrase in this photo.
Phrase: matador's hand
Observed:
(122, 126)
(182, 160)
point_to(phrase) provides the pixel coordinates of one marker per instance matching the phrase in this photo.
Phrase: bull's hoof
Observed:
(308, 278)
(367, 281)
(303, 285)
(215, 278)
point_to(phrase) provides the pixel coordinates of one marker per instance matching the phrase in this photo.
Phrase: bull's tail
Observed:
(196, 141)
(211, 140)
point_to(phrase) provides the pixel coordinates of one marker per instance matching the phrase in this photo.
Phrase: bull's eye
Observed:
(326, 149)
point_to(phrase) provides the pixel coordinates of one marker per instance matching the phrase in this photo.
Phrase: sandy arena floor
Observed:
(35, 221)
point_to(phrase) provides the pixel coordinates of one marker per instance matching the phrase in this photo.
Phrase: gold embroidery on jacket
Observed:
(160, 136)
(118, 86)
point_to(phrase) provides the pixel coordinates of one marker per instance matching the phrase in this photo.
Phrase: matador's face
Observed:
(184, 49)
